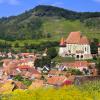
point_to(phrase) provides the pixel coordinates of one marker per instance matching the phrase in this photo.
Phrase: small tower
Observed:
(62, 48)
(62, 42)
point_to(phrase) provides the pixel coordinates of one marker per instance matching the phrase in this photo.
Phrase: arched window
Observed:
(81, 56)
(77, 56)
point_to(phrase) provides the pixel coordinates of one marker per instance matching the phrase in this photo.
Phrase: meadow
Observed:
(88, 91)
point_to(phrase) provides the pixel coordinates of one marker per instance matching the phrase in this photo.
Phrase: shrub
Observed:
(88, 91)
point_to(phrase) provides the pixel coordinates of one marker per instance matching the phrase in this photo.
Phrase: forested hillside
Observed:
(49, 22)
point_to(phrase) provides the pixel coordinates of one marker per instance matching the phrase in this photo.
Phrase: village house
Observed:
(28, 72)
(36, 84)
(76, 45)
(24, 67)
(56, 73)
(58, 81)
(99, 49)
(80, 65)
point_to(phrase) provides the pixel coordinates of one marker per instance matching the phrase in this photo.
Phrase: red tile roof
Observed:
(23, 67)
(56, 80)
(28, 74)
(77, 64)
(33, 71)
(30, 69)
(36, 84)
(54, 72)
(84, 40)
(76, 38)
(25, 54)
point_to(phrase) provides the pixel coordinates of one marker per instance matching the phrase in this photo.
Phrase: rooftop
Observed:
(76, 38)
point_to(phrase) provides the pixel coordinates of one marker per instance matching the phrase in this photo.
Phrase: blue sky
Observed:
(15, 7)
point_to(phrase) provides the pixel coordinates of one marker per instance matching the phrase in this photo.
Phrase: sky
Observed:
(16, 7)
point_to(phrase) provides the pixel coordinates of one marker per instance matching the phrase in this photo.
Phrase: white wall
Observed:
(73, 48)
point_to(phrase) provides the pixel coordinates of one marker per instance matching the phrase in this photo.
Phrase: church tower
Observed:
(62, 48)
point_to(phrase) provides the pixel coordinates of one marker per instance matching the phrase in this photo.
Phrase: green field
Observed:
(61, 28)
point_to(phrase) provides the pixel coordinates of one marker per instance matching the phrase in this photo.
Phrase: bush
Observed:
(88, 91)
(52, 53)
(25, 81)
(75, 71)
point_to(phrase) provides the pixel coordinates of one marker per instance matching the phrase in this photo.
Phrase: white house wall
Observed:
(73, 48)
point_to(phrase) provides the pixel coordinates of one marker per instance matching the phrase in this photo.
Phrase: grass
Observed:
(59, 59)
(60, 28)
(63, 27)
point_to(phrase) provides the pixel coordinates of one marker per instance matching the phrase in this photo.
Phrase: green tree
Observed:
(38, 63)
(94, 46)
(18, 78)
(16, 45)
(98, 64)
(46, 61)
(26, 82)
(42, 62)
(52, 52)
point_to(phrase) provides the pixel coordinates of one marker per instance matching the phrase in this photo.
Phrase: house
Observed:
(56, 80)
(36, 74)
(27, 62)
(1, 72)
(76, 45)
(23, 67)
(9, 66)
(99, 49)
(9, 55)
(36, 84)
(45, 69)
(29, 72)
(56, 73)
(80, 65)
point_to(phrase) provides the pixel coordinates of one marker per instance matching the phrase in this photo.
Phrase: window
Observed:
(85, 48)
(81, 56)
(77, 56)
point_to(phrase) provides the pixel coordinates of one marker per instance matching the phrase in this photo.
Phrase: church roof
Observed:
(77, 38)
(84, 40)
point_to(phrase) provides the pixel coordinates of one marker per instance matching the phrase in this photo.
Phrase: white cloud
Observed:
(10, 2)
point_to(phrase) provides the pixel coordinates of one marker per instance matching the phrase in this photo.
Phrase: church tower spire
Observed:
(62, 42)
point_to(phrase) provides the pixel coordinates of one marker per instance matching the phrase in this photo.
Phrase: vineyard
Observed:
(88, 91)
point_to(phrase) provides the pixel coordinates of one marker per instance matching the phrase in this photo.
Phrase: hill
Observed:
(49, 22)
